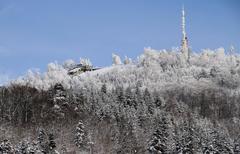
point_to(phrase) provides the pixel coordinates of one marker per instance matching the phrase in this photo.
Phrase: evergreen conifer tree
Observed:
(104, 89)
(128, 97)
(51, 142)
(41, 141)
(148, 101)
(6, 147)
(158, 143)
(81, 139)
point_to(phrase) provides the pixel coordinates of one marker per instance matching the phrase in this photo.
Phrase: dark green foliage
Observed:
(6, 147)
(104, 88)
(42, 141)
(158, 143)
(46, 142)
(187, 139)
(41, 136)
(236, 148)
(149, 101)
(218, 143)
(22, 148)
(26, 147)
(52, 143)
(128, 97)
(120, 95)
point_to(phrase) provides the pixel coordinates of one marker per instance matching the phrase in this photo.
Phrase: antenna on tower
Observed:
(183, 22)
(184, 47)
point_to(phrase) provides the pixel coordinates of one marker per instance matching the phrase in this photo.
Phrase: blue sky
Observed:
(36, 32)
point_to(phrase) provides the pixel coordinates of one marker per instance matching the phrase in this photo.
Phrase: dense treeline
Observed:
(128, 120)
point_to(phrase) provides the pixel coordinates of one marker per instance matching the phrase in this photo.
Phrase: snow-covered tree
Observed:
(85, 62)
(116, 59)
(128, 97)
(22, 148)
(232, 50)
(149, 101)
(218, 144)
(127, 60)
(81, 137)
(59, 101)
(236, 148)
(26, 147)
(42, 141)
(68, 64)
(186, 144)
(6, 147)
(46, 142)
(104, 88)
(159, 142)
(51, 144)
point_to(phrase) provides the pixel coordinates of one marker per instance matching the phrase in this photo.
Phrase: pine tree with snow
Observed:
(81, 138)
(104, 88)
(51, 141)
(138, 98)
(59, 101)
(6, 147)
(158, 101)
(158, 143)
(52, 144)
(63, 149)
(236, 145)
(128, 97)
(148, 101)
(41, 136)
(46, 143)
(188, 146)
(236, 148)
(21, 148)
(42, 141)
(120, 95)
(33, 148)
(186, 138)
(26, 147)
(217, 143)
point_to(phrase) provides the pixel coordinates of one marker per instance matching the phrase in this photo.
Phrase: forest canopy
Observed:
(159, 102)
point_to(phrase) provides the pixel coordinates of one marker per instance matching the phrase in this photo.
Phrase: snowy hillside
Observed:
(159, 103)
(153, 69)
